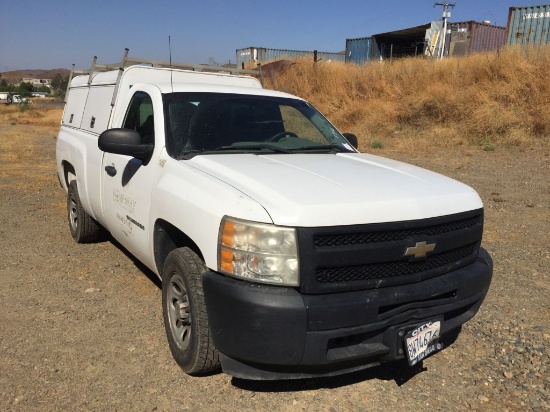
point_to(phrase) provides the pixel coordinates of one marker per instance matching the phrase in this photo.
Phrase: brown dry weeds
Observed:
(498, 98)
(37, 116)
(19, 132)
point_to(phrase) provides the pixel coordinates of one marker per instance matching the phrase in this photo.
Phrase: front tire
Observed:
(84, 229)
(184, 313)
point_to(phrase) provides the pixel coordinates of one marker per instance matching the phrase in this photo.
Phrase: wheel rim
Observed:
(179, 313)
(73, 214)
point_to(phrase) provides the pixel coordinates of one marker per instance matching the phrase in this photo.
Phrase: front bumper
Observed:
(272, 332)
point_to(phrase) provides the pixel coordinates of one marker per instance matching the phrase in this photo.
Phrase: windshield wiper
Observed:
(189, 154)
(255, 146)
(333, 148)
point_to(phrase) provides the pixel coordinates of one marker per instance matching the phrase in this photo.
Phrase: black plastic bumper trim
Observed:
(282, 332)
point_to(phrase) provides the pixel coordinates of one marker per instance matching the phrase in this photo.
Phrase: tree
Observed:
(59, 84)
(25, 89)
(4, 86)
(42, 88)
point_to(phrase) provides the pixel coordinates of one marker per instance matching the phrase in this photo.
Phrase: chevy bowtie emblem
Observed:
(420, 250)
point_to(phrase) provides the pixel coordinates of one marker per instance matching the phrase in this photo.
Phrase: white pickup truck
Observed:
(283, 251)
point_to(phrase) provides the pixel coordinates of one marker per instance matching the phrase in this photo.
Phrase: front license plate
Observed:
(422, 341)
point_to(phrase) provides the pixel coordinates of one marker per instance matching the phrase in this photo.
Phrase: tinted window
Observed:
(139, 117)
(210, 122)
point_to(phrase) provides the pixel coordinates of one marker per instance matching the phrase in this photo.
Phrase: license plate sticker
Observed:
(422, 341)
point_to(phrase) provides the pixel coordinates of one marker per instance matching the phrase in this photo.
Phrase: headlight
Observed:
(258, 252)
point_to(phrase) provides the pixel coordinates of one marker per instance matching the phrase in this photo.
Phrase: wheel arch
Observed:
(69, 172)
(168, 237)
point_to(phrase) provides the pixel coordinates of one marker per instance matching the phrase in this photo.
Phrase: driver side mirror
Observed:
(125, 142)
(352, 139)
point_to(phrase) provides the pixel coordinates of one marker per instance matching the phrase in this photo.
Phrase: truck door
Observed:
(127, 183)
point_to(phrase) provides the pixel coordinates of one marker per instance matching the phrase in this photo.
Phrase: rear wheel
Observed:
(84, 228)
(184, 313)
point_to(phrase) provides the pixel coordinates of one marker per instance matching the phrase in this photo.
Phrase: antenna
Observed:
(170, 52)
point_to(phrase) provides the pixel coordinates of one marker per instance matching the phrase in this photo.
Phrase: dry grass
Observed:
(21, 144)
(35, 115)
(488, 98)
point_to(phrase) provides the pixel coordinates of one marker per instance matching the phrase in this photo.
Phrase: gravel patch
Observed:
(82, 324)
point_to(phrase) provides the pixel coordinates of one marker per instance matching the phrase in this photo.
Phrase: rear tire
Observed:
(184, 313)
(84, 229)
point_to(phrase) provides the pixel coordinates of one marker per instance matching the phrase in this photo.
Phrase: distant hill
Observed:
(17, 75)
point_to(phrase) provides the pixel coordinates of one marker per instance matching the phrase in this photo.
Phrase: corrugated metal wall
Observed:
(528, 25)
(360, 50)
(253, 55)
(487, 37)
(471, 37)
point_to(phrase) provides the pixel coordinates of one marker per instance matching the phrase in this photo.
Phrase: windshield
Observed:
(206, 123)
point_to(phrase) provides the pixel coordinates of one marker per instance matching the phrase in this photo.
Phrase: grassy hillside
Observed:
(17, 76)
(488, 99)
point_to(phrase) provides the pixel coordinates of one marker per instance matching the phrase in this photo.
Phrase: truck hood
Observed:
(338, 189)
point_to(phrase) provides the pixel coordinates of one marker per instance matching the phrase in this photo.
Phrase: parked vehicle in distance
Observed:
(283, 251)
(16, 98)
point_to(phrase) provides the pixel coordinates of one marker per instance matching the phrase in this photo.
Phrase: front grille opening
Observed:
(349, 239)
(418, 303)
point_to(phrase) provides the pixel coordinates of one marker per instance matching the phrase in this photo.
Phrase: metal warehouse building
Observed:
(398, 43)
(462, 38)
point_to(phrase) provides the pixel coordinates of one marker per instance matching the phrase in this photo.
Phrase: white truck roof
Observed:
(155, 75)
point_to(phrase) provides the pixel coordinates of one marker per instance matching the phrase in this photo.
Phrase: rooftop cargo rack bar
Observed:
(129, 61)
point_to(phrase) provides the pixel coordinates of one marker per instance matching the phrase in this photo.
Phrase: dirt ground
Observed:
(81, 325)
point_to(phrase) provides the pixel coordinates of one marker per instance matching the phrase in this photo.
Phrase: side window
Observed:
(139, 117)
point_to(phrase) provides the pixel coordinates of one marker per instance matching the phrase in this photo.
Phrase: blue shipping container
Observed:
(528, 25)
(361, 50)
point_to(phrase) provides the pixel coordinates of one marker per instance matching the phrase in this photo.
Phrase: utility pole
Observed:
(446, 15)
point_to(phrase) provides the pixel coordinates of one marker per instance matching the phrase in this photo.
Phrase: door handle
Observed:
(111, 170)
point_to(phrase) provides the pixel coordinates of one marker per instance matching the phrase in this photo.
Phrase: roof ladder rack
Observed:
(129, 61)
(120, 71)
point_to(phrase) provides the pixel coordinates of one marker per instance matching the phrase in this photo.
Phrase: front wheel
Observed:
(184, 313)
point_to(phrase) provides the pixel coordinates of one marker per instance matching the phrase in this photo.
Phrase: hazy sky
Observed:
(55, 33)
